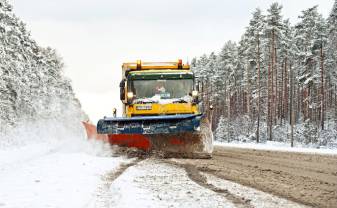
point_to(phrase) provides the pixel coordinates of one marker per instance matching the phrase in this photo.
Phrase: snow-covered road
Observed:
(85, 174)
(166, 183)
(41, 176)
(153, 183)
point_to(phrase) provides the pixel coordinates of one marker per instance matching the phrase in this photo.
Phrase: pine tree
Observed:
(332, 41)
(255, 36)
(32, 84)
(310, 40)
(274, 31)
(331, 60)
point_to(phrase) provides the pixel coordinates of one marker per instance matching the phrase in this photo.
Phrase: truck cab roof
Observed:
(154, 67)
(160, 74)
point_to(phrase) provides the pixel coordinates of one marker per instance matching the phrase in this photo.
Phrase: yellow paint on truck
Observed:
(160, 109)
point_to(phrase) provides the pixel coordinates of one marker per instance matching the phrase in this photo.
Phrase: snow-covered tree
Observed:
(277, 74)
(331, 60)
(220, 132)
(32, 84)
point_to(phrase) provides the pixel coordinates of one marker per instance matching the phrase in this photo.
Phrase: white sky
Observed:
(96, 36)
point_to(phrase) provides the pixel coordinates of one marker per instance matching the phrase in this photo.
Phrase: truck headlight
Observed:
(195, 93)
(130, 95)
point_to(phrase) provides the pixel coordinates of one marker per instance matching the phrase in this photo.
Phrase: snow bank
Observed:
(277, 146)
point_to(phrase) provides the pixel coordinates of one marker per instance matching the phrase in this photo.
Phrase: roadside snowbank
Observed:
(277, 146)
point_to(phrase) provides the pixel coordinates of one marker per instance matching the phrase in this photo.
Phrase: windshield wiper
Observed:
(144, 101)
(180, 100)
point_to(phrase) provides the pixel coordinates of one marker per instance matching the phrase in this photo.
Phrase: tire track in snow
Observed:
(258, 198)
(194, 174)
(103, 194)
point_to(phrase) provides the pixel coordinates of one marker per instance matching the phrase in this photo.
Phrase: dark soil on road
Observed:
(308, 179)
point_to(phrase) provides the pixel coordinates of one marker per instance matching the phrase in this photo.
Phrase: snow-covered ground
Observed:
(54, 180)
(55, 171)
(43, 176)
(60, 170)
(277, 146)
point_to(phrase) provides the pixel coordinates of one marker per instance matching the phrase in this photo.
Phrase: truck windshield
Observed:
(156, 90)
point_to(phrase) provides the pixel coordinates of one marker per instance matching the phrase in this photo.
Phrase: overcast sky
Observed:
(95, 37)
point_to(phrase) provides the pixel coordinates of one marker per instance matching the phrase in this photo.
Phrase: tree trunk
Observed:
(259, 90)
(286, 93)
(291, 107)
(269, 117)
(281, 94)
(229, 118)
(272, 87)
(335, 105)
(322, 88)
(275, 101)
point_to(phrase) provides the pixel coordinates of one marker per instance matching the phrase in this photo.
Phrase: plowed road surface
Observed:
(308, 179)
(65, 175)
(234, 177)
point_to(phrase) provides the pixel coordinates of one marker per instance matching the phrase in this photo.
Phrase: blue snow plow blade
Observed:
(166, 124)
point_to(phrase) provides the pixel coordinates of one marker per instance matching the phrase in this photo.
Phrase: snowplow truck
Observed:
(160, 111)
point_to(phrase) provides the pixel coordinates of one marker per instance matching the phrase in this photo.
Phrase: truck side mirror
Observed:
(114, 112)
(122, 90)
